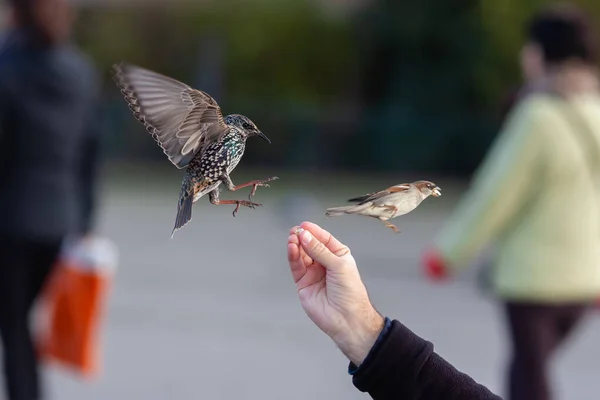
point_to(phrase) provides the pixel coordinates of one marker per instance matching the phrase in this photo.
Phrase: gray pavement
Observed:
(213, 314)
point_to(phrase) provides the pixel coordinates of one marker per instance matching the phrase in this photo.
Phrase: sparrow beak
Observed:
(437, 192)
(262, 135)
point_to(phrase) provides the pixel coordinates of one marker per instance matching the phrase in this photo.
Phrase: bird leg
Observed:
(255, 184)
(390, 225)
(392, 209)
(214, 199)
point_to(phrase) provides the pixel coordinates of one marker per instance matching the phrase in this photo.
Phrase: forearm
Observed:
(472, 224)
(403, 365)
(507, 179)
(438, 379)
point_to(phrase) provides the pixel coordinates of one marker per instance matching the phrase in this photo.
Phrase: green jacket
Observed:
(536, 197)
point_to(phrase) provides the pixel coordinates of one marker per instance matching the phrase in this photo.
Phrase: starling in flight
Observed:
(188, 125)
(389, 203)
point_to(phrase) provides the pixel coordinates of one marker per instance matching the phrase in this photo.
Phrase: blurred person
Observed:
(387, 360)
(48, 165)
(537, 198)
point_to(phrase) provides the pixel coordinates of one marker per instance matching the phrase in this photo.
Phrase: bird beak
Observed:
(437, 192)
(262, 135)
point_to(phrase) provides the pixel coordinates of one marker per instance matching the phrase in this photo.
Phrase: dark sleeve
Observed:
(401, 365)
(89, 167)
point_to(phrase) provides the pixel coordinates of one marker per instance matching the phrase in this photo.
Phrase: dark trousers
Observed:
(24, 267)
(536, 332)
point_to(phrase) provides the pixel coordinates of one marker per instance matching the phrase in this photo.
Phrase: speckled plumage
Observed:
(189, 126)
(222, 156)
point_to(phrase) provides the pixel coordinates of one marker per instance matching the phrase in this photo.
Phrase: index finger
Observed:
(334, 245)
(297, 266)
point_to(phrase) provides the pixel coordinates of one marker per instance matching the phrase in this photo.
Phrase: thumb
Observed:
(317, 251)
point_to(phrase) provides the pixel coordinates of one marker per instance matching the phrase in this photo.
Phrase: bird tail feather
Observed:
(337, 211)
(184, 214)
(184, 207)
(360, 198)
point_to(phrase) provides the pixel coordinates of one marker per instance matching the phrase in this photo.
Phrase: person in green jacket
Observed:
(536, 196)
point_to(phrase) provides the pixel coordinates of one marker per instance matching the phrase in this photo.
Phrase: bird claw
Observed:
(262, 183)
(391, 226)
(253, 191)
(245, 203)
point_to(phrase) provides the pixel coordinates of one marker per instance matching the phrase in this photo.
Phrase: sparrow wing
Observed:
(179, 118)
(377, 195)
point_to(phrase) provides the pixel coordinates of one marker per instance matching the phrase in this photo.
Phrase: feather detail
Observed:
(182, 120)
(376, 195)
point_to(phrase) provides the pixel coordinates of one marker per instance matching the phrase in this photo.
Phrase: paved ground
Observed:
(212, 314)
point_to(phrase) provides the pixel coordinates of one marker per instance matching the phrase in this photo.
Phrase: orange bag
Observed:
(74, 300)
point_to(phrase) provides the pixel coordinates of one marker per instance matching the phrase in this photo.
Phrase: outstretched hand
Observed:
(331, 290)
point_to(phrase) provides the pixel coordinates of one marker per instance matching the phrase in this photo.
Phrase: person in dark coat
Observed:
(387, 360)
(49, 145)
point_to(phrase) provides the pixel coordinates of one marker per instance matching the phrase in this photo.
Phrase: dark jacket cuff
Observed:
(409, 351)
(402, 365)
(387, 326)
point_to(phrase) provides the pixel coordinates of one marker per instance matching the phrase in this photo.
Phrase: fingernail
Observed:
(306, 237)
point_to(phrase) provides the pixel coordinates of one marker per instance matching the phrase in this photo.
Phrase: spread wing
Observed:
(376, 195)
(179, 118)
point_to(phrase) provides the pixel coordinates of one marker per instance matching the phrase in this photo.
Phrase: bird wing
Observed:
(377, 195)
(179, 118)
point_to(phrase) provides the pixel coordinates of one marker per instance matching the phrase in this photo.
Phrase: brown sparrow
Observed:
(389, 203)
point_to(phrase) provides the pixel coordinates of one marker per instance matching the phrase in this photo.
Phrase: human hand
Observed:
(331, 290)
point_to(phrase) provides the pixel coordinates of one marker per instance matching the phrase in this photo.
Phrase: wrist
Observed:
(361, 334)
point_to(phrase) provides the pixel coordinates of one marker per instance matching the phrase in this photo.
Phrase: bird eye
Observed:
(246, 125)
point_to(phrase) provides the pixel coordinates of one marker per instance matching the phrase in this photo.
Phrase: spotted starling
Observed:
(389, 203)
(188, 125)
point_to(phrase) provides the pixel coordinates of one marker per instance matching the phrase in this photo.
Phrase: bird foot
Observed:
(238, 204)
(262, 183)
(244, 203)
(396, 230)
(391, 226)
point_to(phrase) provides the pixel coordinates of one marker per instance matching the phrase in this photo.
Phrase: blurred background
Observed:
(355, 95)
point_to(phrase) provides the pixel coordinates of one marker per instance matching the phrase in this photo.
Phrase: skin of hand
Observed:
(331, 291)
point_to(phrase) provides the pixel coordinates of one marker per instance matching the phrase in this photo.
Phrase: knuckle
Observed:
(320, 247)
(343, 252)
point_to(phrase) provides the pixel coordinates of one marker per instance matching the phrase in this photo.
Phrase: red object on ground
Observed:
(434, 266)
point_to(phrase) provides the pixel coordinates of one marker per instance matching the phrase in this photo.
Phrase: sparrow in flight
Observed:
(389, 203)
